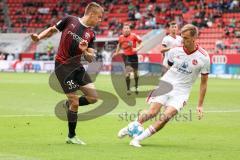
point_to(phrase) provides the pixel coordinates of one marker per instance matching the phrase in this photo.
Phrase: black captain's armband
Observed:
(170, 63)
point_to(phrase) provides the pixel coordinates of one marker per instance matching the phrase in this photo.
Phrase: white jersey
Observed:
(185, 68)
(170, 42)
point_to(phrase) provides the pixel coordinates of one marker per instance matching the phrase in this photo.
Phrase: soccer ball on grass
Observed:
(135, 129)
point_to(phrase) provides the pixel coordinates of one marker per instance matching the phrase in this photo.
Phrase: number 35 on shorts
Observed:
(71, 84)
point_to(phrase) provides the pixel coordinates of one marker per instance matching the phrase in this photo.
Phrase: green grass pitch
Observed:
(30, 131)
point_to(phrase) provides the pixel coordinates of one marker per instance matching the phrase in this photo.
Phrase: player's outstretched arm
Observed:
(44, 34)
(203, 89)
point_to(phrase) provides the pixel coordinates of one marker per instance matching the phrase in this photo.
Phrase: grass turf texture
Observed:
(40, 135)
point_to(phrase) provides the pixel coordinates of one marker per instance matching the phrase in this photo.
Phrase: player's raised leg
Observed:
(155, 127)
(90, 94)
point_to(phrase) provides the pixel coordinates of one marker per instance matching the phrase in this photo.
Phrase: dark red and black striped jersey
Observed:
(73, 31)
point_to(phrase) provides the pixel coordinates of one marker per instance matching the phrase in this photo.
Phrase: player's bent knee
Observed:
(92, 100)
(74, 105)
(74, 102)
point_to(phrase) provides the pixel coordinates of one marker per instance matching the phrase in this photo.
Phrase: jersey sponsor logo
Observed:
(184, 65)
(126, 44)
(219, 59)
(130, 44)
(75, 36)
(184, 68)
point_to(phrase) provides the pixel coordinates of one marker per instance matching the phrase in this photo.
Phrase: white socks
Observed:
(146, 133)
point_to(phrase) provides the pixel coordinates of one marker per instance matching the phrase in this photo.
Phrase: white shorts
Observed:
(176, 100)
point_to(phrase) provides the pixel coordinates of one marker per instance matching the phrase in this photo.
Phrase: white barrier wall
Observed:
(14, 43)
(36, 66)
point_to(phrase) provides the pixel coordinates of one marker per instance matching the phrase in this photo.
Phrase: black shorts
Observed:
(131, 60)
(71, 76)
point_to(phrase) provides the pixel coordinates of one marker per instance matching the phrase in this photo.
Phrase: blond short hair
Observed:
(190, 27)
(93, 7)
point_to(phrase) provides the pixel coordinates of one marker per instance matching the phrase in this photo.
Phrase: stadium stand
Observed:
(1, 15)
(219, 21)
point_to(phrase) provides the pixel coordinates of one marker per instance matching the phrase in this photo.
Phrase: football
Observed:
(135, 129)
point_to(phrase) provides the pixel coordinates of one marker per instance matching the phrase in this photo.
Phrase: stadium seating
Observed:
(1, 15)
(27, 16)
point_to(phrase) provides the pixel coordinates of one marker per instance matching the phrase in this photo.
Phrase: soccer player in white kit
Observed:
(186, 63)
(170, 41)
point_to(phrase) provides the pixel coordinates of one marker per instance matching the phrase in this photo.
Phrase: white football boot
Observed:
(75, 140)
(123, 132)
(135, 143)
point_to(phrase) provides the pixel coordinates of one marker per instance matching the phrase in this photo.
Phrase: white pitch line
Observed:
(15, 157)
(26, 115)
(52, 115)
(185, 111)
(224, 111)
